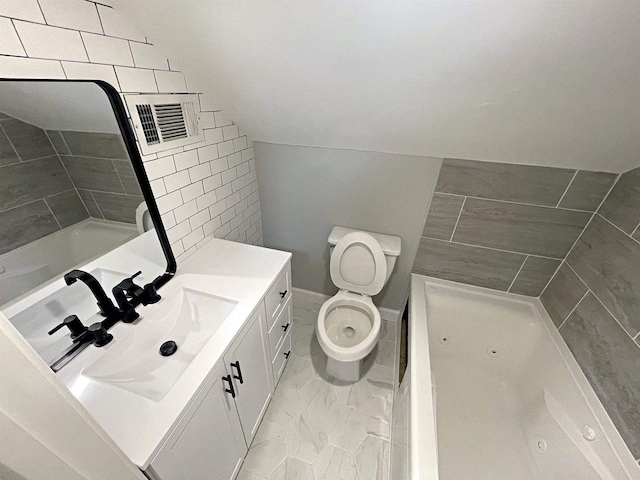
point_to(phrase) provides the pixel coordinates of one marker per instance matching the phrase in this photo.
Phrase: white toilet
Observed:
(349, 323)
(143, 218)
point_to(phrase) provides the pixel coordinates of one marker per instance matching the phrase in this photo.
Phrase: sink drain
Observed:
(444, 339)
(493, 352)
(168, 348)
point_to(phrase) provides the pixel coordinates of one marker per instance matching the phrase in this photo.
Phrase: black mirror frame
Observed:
(136, 160)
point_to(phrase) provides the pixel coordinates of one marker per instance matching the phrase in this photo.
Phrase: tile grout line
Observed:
(42, 12)
(65, 167)
(79, 30)
(635, 230)
(553, 276)
(493, 248)
(617, 227)
(457, 220)
(568, 187)
(88, 62)
(517, 273)
(13, 23)
(575, 307)
(12, 146)
(99, 18)
(515, 203)
(564, 260)
(52, 214)
(601, 303)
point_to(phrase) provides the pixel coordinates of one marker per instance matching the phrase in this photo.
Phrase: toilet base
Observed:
(345, 371)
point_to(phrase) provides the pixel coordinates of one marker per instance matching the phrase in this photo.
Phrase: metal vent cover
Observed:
(163, 122)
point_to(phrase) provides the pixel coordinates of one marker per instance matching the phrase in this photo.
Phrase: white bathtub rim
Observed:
(423, 438)
(605, 424)
(44, 289)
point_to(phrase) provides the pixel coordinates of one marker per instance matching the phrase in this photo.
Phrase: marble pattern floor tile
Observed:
(318, 427)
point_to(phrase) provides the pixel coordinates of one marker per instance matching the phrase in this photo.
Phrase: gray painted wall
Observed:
(305, 191)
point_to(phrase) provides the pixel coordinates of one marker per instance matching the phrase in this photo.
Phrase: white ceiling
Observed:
(78, 106)
(538, 82)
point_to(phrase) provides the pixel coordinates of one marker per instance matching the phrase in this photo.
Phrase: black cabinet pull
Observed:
(230, 390)
(283, 294)
(286, 355)
(237, 367)
(286, 327)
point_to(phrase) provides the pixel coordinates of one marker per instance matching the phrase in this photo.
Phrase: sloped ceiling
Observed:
(547, 83)
(79, 106)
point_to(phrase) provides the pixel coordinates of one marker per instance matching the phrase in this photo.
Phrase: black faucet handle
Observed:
(139, 272)
(73, 323)
(150, 294)
(100, 335)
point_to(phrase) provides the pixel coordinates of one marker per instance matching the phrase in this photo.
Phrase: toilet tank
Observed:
(390, 244)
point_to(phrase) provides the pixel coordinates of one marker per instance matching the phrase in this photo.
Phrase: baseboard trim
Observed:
(385, 313)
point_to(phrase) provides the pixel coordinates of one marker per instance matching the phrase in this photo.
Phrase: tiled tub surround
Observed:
(101, 171)
(203, 190)
(594, 299)
(506, 226)
(37, 196)
(318, 428)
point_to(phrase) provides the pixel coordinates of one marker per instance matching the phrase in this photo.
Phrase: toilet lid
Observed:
(358, 264)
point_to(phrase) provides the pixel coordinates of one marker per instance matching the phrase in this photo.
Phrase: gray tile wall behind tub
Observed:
(610, 359)
(99, 167)
(37, 196)
(489, 217)
(594, 299)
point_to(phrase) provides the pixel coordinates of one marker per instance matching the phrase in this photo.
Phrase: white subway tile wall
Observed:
(42, 41)
(203, 190)
(10, 41)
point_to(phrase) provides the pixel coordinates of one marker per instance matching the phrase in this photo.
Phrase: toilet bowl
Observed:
(143, 218)
(349, 324)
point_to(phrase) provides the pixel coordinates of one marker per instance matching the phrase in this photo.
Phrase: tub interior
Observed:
(507, 403)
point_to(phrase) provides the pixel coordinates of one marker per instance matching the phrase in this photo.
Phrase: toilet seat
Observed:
(358, 248)
(143, 218)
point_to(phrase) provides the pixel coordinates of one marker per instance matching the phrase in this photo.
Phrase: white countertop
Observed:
(140, 425)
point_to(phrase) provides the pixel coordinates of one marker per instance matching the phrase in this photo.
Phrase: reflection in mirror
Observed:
(68, 196)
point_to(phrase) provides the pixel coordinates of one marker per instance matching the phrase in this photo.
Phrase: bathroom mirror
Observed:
(72, 188)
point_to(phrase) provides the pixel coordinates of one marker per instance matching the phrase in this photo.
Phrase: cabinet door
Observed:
(208, 441)
(246, 361)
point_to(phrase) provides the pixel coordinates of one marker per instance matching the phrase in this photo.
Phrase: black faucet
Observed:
(129, 295)
(96, 333)
(106, 306)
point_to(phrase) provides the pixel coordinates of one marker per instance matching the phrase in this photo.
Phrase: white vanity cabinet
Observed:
(249, 373)
(207, 442)
(212, 438)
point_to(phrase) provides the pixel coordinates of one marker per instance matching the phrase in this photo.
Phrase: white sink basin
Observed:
(186, 314)
(35, 321)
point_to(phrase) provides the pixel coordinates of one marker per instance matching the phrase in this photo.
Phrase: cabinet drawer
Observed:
(280, 328)
(280, 360)
(277, 296)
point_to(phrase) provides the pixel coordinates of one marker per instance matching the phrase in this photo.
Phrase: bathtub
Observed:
(33, 264)
(492, 391)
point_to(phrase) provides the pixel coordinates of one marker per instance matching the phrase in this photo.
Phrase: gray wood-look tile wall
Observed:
(506, 226)
(37, 197)
(594, 299)
(101, 171)
(51, 180)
